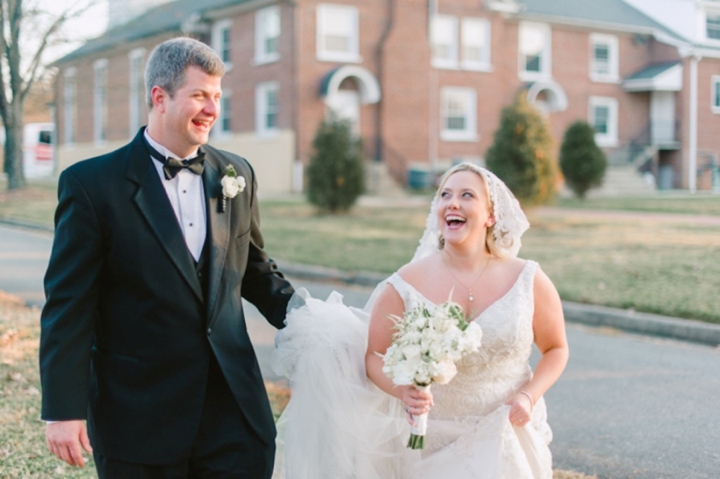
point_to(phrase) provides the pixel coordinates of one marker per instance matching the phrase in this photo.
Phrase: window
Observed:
(534, 46)
(69, 105)
(266, 108)
(475, 44)
(604, 61)
(337, 33)
(712, 26)
(222, 41)
(223, 125)
(267, 35)
(136, 89)
(716, 94)
(100, 103)
(604, 118)
(458, 114)
(443, 36)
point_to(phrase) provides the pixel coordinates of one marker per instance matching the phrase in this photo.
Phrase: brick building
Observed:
(422, 81)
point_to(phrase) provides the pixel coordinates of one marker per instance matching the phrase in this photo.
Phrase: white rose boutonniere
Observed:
(232, 184)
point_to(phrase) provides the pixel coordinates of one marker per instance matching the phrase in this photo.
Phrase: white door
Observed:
(346, 105)
(662, 117)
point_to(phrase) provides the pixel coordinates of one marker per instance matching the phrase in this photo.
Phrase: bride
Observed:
(346, 419)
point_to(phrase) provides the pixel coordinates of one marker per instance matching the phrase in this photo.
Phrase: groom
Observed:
(143, 333)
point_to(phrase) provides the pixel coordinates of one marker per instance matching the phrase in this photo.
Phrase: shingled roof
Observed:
(611, 13)
(168, 17)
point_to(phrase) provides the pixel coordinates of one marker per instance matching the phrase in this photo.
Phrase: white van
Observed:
(38, 150)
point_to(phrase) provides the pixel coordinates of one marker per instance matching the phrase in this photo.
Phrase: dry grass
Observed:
(35, 204)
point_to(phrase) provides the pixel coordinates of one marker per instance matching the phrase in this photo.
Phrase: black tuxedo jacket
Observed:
(127, 332)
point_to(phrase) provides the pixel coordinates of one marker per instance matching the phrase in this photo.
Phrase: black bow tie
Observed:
(171, 166)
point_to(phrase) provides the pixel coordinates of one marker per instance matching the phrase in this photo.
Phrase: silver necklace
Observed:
(471, 298)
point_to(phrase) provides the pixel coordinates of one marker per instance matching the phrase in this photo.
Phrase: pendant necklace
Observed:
(470, 293)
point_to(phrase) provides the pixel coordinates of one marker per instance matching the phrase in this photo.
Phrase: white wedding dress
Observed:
(339, 425)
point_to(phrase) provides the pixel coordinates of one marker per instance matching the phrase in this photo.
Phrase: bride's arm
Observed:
(389, 303)
(550, 338)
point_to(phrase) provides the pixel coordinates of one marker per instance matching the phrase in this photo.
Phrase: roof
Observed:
(164, 18)
(667, 76)
(612, 13)
(652, 71)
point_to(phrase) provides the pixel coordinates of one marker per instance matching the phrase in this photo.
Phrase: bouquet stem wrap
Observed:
(418, 431)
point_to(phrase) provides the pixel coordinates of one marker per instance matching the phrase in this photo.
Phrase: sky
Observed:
(90, 24)
(678, 15)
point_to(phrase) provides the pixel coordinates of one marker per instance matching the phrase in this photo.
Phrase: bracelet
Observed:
(532, 402)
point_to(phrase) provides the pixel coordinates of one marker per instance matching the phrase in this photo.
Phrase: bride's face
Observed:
(464, 209)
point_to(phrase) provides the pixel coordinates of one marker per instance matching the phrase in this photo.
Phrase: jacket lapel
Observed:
(154, 205)
(219, 224)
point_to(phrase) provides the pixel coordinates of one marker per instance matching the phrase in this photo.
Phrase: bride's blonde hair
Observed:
(489, 236)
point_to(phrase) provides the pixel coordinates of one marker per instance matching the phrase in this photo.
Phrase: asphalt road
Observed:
(627, 406)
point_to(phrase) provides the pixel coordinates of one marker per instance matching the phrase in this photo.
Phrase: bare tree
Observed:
(22, 64)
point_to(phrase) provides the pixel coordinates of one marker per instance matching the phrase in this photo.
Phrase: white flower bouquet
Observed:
(424, 350)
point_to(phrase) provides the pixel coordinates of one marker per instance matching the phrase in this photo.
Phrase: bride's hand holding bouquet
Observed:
(424, 350)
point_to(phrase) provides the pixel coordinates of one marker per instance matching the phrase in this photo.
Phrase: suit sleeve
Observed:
(263, 283)
(71, 290)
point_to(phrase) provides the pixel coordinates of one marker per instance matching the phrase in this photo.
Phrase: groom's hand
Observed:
(66, 439)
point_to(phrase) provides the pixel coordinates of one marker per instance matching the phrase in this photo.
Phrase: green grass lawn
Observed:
(650, 263)
(663, 202)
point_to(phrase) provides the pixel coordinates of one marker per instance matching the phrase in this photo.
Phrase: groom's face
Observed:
(192, 111)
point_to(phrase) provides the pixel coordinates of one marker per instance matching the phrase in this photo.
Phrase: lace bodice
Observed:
(487, 378)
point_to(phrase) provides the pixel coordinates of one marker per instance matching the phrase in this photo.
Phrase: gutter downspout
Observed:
(297, 182)
(381, 79)
(692, 125)
(434, 95)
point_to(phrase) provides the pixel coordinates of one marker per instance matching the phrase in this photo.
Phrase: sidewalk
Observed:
(591, 315)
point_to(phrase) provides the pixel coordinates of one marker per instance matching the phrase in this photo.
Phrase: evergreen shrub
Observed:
(336, 176)
(582, 162)
(522, 154)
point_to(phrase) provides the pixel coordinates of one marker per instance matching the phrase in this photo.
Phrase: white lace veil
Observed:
(510, 221)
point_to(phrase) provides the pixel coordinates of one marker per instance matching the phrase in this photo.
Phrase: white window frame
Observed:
(218, 41)
(352, 54)
(69, 105)
(545, 72)
(136, 79)
(261, 35)
(713, 13)
(610, 138)
(261, 108)
(469, 133)
(484, 62)
(715, 94)
(100, 101)
(437, 23)
(219, 130)
(612, 75)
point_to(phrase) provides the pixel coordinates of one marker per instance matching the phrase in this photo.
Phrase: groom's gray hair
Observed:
(169, 61)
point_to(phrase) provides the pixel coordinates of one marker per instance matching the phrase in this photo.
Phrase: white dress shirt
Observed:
(187, 197)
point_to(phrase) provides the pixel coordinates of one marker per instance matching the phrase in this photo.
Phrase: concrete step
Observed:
(619, 181)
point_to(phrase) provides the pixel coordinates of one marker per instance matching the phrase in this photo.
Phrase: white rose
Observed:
(241, 183)
(230, 186)
(446, 370)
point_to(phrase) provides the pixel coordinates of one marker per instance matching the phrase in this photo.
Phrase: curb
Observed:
(587, 314)
(643, 323)
(27, 225)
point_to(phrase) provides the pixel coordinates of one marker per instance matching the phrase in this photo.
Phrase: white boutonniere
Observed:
(232, 184)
